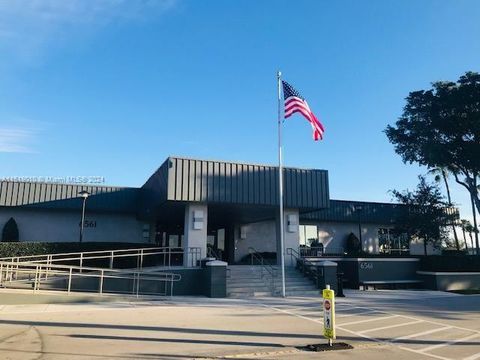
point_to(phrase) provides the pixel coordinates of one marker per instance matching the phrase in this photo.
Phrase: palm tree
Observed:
(474, 227)
(441, 173)
(470, 229)
(463, 225)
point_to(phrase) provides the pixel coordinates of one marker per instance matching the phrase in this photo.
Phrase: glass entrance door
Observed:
(216, 243)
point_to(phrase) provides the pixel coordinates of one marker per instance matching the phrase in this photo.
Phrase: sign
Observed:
(366, 266)
(88, 224)
(329, 313)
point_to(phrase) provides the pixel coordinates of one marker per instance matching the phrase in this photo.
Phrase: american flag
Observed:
(294, 102)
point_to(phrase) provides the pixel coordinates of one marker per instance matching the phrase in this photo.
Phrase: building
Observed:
(225, 207)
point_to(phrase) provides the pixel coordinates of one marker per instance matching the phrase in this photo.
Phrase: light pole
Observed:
(84, 194)
(358, 210)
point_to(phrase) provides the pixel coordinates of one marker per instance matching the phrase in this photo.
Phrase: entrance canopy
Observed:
(244, 192)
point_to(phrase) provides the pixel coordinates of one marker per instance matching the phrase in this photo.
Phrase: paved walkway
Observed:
(379, 324)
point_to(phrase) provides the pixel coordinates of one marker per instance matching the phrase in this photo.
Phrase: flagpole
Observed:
(280, 183)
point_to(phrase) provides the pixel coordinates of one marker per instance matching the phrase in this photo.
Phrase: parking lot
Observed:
(378, 324)
(427, 324)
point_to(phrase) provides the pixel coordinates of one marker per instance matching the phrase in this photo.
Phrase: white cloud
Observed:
(28, 26)
(17, 140)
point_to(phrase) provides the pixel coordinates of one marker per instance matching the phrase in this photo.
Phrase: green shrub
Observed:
(354, 246)
(9, 249)
(10, 231)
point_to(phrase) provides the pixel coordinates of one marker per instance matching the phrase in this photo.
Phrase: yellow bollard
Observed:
(329, 314)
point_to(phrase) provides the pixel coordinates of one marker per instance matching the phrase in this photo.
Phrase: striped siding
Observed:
(345, 211)
(180, 179)
(234, 183)
(65, 196)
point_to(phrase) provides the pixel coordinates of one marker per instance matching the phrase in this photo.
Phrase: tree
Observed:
(463, 225)
(440, 127)
(10, 231)
(469, 228)
(354, 247)
(442, 174)
(426, 214)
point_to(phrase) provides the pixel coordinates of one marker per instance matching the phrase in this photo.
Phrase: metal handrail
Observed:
(269, 269)
(311, 251)
(139, 253)
(294, 255)
(9, 276)
(77, 253)
(330, 250)
(307, 267)
(211, 252)
(319, 251)
(393, 251)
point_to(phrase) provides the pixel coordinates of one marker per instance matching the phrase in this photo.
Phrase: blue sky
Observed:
(112, 87)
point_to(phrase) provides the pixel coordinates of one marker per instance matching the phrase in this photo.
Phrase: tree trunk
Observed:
(465, 238)
(447, 187)
(475, 228)
(425, 246)
(470, 184)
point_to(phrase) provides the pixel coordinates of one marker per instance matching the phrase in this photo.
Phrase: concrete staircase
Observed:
(247, 281)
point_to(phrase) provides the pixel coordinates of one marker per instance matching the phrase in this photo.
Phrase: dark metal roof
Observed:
(180, 179)
(65, 196)
(357, 211)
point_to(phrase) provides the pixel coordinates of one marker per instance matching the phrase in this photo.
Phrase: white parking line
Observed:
(428, 332)
(369, 320)
(292, 313)
(358, 314)
(313, 313)
(415, 318)
(357, 334)
(390, 326)
(473, 357)
(447, 343)
(394, 341)
(388, 342)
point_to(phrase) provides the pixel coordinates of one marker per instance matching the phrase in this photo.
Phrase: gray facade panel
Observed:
(356, 211)
(209, 195)
(233, 183)
(192, 184)
(202, 196)
(61, 196)
(185, 184)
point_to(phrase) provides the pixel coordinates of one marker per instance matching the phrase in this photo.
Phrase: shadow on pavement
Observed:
(155, 328)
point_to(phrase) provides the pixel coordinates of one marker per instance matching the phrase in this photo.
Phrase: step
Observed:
(246, 288)
(304, 293)
(248, 281)
(297, 288)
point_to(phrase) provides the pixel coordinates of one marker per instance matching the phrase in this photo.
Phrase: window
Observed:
(308, 235)
(175, 240)
(391, 241)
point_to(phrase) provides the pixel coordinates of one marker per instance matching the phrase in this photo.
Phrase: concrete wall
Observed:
(333, 235)
(209, 281)
(261, 236)
(195, 230)
(416, 248)
(448, 281)
(291, 236)
(358, 270)
(64, 226)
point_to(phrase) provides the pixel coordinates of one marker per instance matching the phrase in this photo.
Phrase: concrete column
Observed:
(292, 235)
(329, 275)
(216, 279)
(195, 232)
